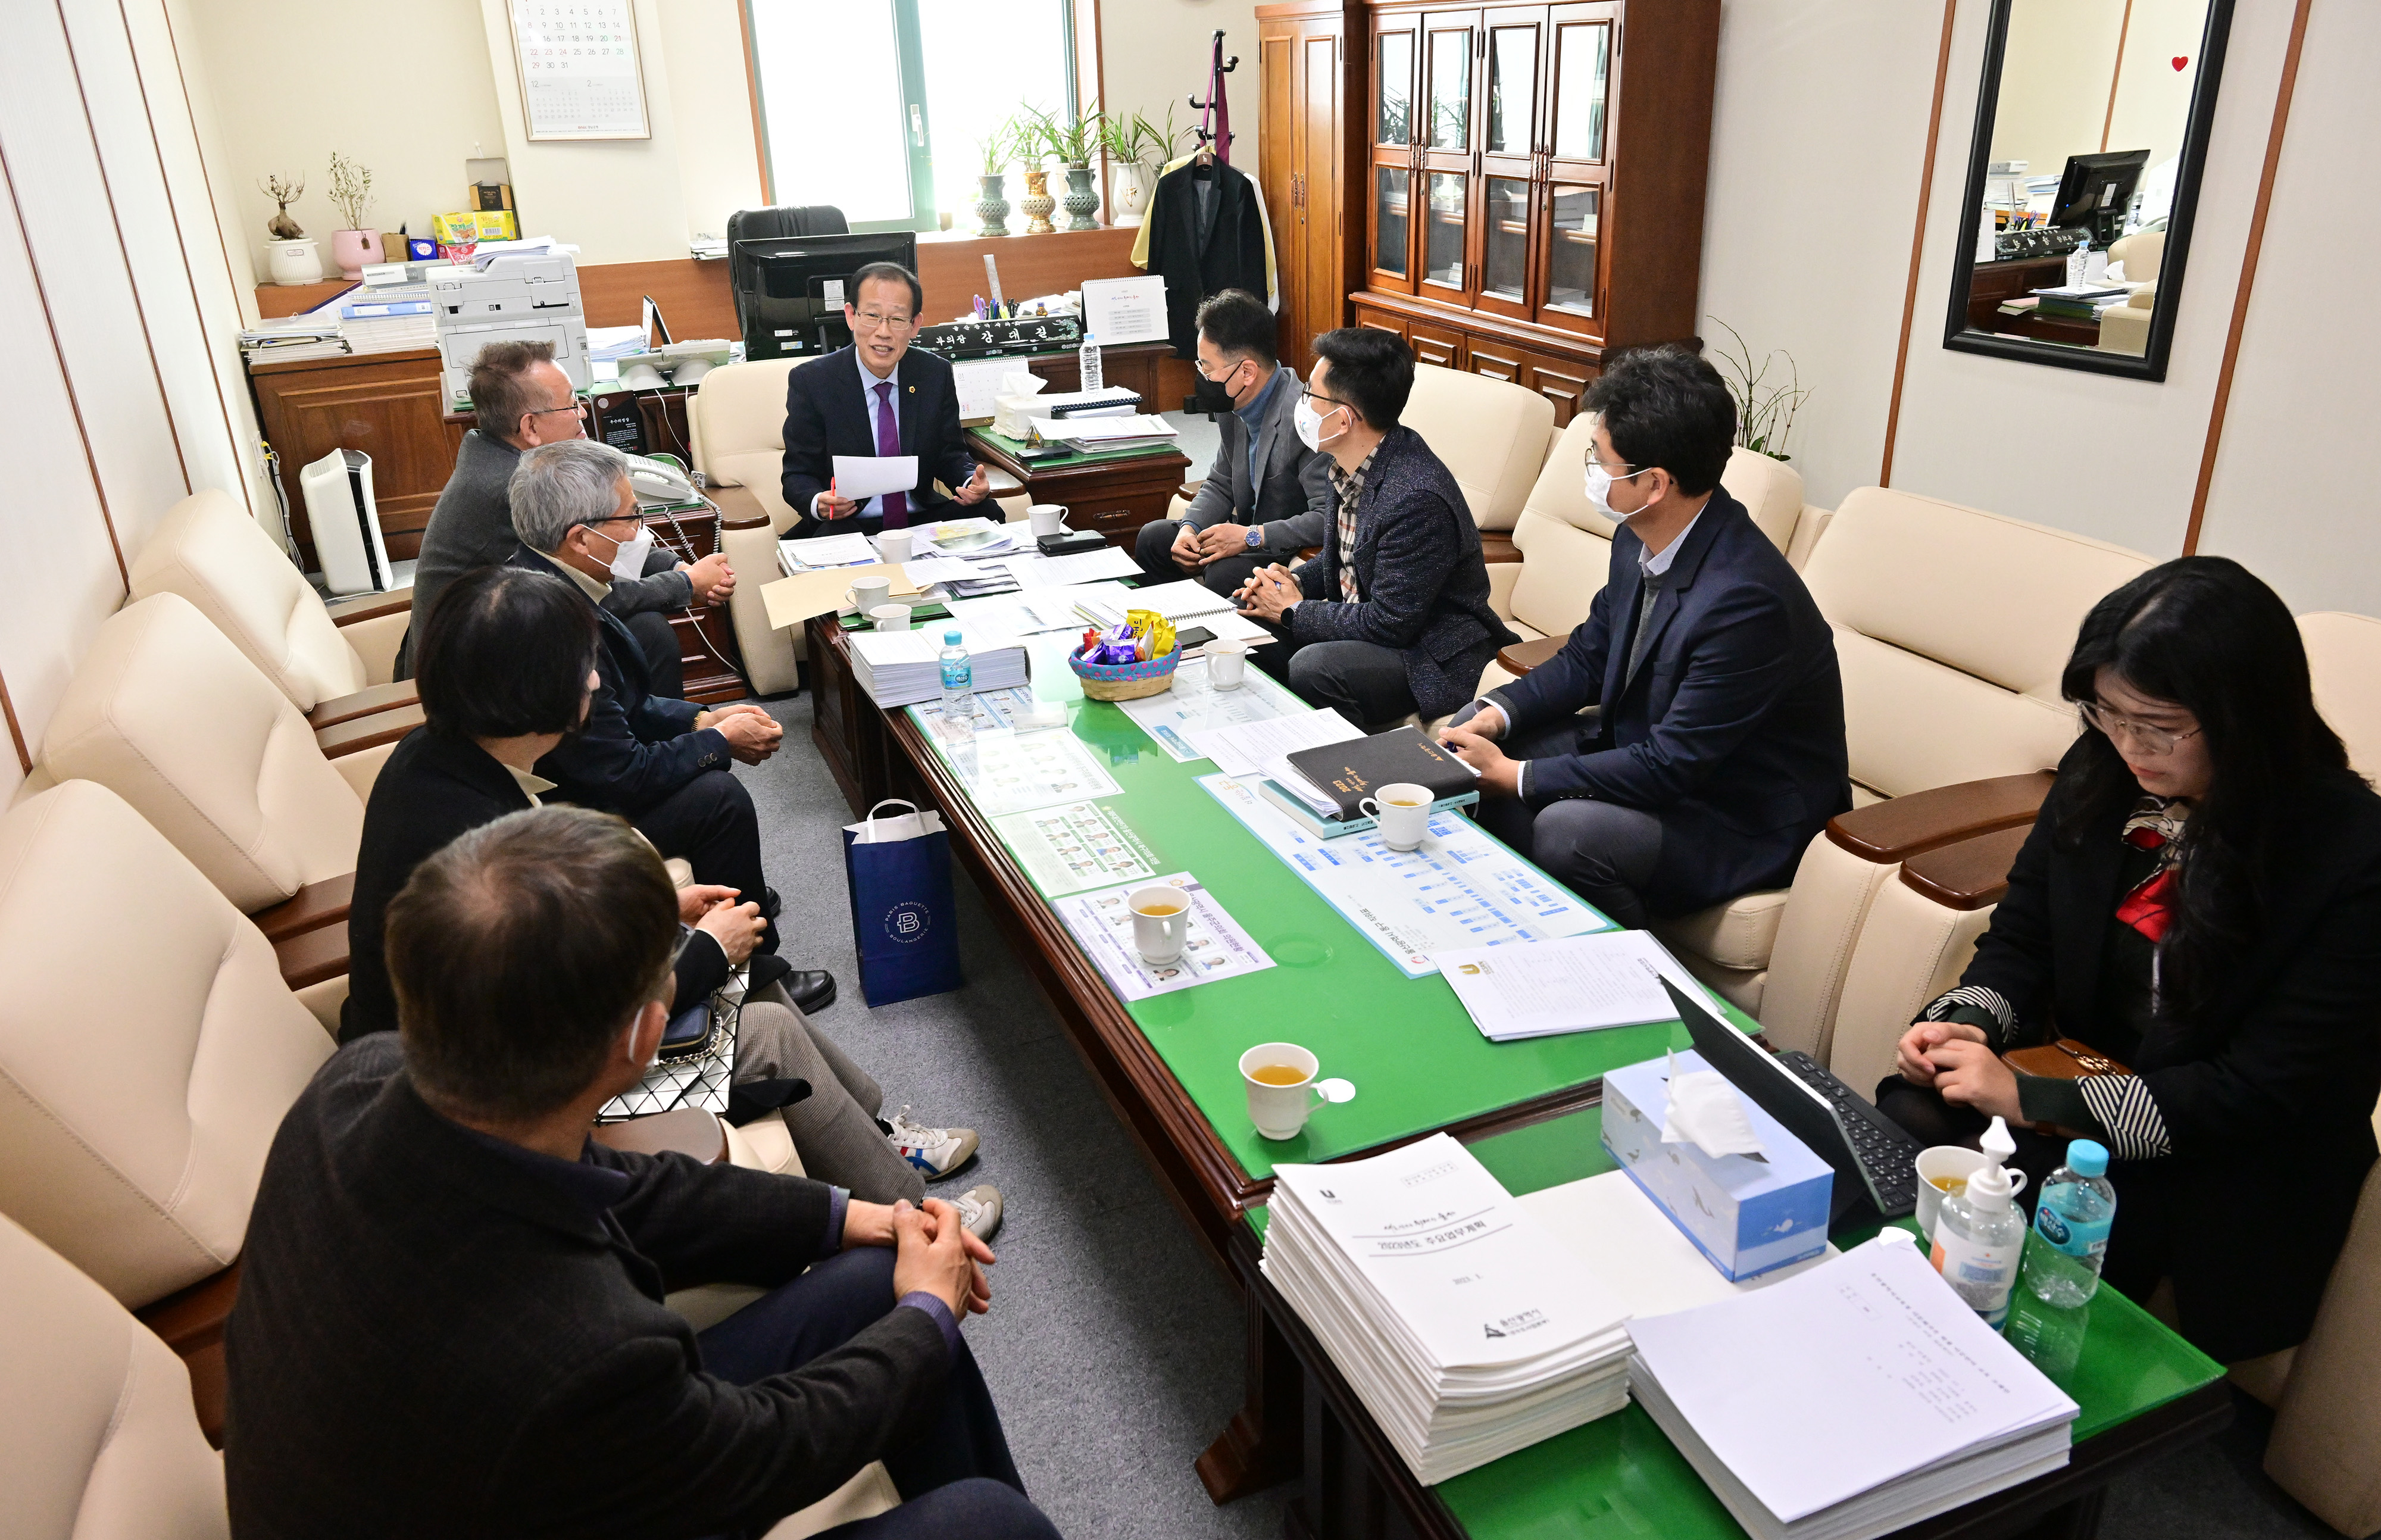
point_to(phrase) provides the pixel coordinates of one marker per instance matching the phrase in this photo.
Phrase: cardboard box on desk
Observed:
(1746, 1215)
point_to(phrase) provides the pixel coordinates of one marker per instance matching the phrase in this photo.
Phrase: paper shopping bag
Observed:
(903, 920)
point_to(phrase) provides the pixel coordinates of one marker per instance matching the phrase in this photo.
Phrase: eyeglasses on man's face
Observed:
(2154, 742)
(1212, 375)
(872, 321)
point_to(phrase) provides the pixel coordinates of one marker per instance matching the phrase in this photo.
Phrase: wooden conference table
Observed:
(1169, 1066)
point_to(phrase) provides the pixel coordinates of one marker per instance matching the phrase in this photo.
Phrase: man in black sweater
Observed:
(522, 398)
(451, 1319)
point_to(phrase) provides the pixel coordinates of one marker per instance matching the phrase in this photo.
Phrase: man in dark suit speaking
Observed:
(1267, 496)
(1719, 751)
(877, 398)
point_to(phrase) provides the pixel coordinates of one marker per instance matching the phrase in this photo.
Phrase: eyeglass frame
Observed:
(1199, 364)
(860, 323)
(2142, 733)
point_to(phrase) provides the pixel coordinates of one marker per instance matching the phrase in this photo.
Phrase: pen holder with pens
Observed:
(1126, 682)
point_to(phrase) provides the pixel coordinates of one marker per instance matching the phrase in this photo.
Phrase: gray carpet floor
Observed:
(1114, 1346)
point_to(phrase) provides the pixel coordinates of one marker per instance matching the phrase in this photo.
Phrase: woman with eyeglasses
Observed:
(2200, 901)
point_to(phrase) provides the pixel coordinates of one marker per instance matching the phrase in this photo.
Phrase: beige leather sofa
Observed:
(336, 672)
(103, 1441)
(738, 416)
(167, 714)
(1491, 433)
(1952, 626)
(2126, 329)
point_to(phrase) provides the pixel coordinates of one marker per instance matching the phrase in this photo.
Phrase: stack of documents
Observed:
(1187, 603)
(901, 669)
(1848, 1400)
(824, 551)
(1468, 1330)
(1137, 431)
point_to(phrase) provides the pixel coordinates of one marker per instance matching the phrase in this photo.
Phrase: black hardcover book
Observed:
(1349, 772)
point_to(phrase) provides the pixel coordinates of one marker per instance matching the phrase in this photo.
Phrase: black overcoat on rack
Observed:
(1206, 234)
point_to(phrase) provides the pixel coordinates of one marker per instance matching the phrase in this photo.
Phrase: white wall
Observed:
(122, 296)
(1156, 52)
(407, 93)
(2060, 61)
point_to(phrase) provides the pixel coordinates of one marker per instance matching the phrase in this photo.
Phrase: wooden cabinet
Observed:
(387, 405)
(1517, 208)
(1309, 160)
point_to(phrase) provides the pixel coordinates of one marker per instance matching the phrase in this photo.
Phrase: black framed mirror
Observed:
(2082, 181)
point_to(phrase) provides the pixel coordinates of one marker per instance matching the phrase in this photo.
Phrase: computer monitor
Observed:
(790, 304)
(2095, 191)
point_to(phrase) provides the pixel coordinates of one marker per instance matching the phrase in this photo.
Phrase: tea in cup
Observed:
(1401, 811)
(1943, 1169)
(1283, 1089)
(1227, 661)
(1161, 924)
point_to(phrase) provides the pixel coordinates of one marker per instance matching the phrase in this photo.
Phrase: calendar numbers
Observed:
(579, 68)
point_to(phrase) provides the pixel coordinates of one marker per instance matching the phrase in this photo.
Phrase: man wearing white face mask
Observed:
(1718, 751)
(522, 400)
(662, 763)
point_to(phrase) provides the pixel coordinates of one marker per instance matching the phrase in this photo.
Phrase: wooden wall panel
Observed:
(389, 408)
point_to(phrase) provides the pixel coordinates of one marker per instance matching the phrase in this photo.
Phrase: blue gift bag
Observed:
(903, 919)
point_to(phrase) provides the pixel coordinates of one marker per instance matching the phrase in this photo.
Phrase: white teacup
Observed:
(1401, 809)
(1938, 1164)
(890, 617)
(893, 544)
(1161, 923)
(866, 594)
(1227, 661)
(1047, 517)
(1283, 1089)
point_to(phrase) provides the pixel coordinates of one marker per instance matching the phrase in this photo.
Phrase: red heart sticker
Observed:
(2180, 60)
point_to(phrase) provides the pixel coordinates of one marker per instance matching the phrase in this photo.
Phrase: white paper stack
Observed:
(1137, 431)
(901, 669)
(1850, 1401)
(1187, 603)
(1468, 1330)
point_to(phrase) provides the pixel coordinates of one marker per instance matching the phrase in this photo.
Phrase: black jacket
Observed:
(1275, 482)
(440, 1334)
(1201, 248)
(2269, 1106)
(826, 416)
(436, 786)
(1418, 564)
(637, 746)
(1733, 728)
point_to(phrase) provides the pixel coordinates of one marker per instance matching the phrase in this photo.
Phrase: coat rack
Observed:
(1214, 129)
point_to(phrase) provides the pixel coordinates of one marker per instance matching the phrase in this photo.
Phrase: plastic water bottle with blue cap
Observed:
(2071, 1216)
(959, 689)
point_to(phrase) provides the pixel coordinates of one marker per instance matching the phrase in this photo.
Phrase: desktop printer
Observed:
(526, 296)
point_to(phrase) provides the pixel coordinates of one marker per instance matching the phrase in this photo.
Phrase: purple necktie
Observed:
(894, 506)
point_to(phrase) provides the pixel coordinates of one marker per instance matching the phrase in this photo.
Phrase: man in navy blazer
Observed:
(877, 397)
(1718, 751)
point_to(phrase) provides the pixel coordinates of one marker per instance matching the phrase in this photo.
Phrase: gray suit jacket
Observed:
(1290, 495)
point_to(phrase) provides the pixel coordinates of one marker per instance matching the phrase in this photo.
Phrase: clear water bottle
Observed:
(1089, 355)
(1980, 1236)
(959, 689)
(2071, 1216)
(2050, 1335)
(2078, 260)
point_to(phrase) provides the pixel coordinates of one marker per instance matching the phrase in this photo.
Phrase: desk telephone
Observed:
(660, 483)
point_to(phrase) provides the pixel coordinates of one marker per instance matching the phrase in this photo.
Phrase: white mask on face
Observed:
(1309, 426)
(1599, 491)
(628, 555)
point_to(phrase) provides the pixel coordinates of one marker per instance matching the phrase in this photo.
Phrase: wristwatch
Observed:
(1256, 536)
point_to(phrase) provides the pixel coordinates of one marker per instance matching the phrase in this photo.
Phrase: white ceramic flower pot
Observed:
(294, 261)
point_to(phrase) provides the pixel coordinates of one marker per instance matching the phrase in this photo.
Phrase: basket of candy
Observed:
(1135, 659)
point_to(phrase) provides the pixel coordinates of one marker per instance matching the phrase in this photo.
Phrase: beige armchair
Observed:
(1952, 626)
(104, 1442)
(213, 554)
(1491, 433)
(739, 419)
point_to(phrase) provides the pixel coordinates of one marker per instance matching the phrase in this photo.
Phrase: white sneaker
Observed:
(935, 1152)
(979, 1209)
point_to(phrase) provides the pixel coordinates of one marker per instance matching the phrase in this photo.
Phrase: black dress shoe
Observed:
(813, 989)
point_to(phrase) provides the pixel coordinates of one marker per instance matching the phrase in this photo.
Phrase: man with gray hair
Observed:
(660, 763)
(522, 400)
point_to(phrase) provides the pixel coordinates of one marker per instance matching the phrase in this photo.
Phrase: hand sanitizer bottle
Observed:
(1980, 1239)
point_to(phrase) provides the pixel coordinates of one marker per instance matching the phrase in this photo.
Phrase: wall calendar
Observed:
(578, 66)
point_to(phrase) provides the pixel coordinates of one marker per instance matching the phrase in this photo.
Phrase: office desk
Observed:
(1169, 1066)
(2143, 1392)
(1114, 492)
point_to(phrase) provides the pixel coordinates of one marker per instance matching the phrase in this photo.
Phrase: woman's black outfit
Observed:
(2241, 1140)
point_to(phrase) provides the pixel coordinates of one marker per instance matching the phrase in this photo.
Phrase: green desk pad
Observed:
(1417, 1060)
(1620, 1476)
(1012, 446)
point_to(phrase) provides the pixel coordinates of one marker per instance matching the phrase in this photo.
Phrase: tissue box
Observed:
(1748, 1215)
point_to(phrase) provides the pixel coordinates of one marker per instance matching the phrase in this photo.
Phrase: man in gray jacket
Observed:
(523, 400)
(1267, 496)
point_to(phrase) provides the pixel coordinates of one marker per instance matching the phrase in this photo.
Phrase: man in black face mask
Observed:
(1267, 496)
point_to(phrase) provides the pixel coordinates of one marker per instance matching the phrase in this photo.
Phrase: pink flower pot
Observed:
(352, 249)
